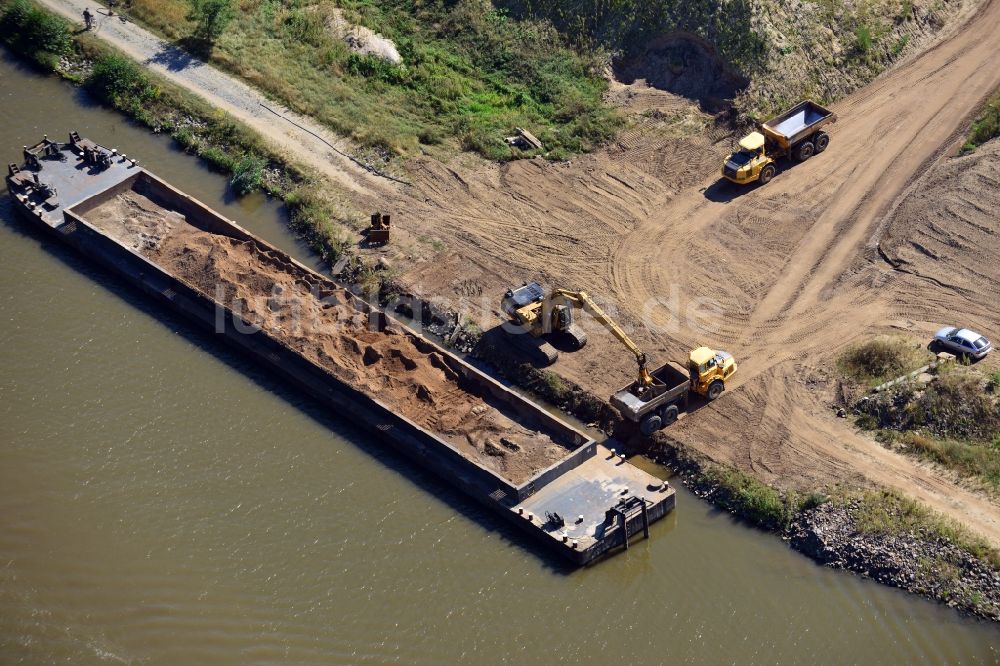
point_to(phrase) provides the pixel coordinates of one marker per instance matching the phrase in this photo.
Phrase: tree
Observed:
(211, 17)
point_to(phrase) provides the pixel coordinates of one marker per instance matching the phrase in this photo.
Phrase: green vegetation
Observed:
(954, 421)
(756, 501)
(863, 38)
(39, 35)
(555, 385)
(899, 45)
(889, 512)
(954, 406)
(211, 17)
(882, 359)
(469, 74)
(884, 511)
(120, 82)
(986, 126)
(968, 458)
(248, 174)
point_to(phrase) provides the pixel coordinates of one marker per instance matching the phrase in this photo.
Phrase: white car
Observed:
(962, 341)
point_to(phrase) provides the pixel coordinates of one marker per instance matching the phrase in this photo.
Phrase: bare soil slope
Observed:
(790, 267)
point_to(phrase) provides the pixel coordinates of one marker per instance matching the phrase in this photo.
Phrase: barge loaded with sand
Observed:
(543, 475)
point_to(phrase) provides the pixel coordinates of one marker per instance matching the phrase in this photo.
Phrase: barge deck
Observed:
(499, 447)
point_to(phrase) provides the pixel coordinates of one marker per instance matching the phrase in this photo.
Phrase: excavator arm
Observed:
(581, 300)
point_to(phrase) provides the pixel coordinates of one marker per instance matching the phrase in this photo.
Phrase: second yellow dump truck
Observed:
(797, 133)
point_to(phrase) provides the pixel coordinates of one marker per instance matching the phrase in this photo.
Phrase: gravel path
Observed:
(232, 96)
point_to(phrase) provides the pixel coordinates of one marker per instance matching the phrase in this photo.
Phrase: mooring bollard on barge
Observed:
(583, 504)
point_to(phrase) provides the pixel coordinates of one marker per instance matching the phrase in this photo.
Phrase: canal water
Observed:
(163, 502)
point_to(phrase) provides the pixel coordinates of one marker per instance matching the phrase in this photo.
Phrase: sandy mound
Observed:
(362, 40)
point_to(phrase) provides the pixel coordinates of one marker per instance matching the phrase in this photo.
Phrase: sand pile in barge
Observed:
(315, 317)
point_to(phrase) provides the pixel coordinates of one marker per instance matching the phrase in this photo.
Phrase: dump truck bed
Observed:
(802, 120)
(670, 382)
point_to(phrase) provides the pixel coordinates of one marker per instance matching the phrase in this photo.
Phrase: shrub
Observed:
(211, 18)
(120, 81)
(248, 174)
(863, 38)
(881, 359)
(41, 36)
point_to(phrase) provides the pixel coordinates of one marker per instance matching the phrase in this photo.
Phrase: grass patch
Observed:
(971, 459)
(986, 126)
(755, 501)
(470, 73)
(882, 359)
(888, 512)
(863, 38)
(556, 388)
(899, 45)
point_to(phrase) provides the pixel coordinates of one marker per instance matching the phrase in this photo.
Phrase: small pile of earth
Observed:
(362, 40)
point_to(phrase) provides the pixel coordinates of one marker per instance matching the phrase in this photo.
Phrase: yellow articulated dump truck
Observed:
(656, 398)
(797, 133)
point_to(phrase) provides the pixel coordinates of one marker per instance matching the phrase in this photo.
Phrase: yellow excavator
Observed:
(536, 313)
(654, 399)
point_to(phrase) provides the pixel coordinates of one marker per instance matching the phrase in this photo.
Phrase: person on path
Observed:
(88, 19)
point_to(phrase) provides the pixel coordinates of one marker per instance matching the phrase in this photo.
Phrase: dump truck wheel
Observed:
(669, 415)
(766, 174)
(805, 151)
(715, 389)
(822, 140)
(650, 424)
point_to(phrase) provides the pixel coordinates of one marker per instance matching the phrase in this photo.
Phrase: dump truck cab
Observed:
(709, 370)
(796, 133)
(744, 166)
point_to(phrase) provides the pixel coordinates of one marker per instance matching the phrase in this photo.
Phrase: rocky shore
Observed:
(917, 561)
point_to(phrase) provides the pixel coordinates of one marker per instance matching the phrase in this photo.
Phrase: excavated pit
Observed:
(685, 65)
(317, 319)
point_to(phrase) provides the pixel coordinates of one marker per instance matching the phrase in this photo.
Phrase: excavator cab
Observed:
(540, 313)
(709, 370)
